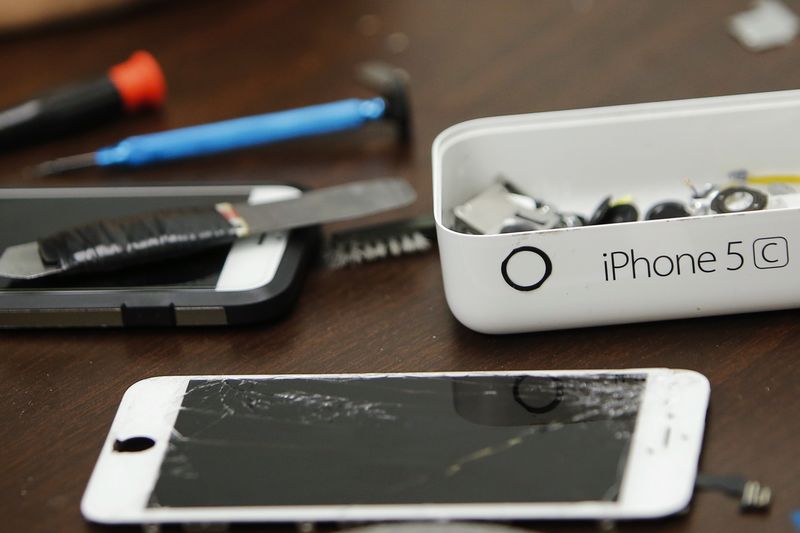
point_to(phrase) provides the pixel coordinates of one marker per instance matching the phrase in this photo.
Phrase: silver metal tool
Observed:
(113, 244)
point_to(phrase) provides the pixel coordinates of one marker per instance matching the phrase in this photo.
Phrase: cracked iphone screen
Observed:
(399, 440)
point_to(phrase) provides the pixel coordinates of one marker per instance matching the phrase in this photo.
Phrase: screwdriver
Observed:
(128, 87)
(248, 131)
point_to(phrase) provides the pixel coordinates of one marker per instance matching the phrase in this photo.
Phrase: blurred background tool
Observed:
(381, 241)
(128, 87)
(392, 104)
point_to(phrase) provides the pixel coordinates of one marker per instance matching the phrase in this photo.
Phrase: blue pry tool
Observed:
(245, 132)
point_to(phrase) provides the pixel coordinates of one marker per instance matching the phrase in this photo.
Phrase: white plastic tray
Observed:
(719, 264)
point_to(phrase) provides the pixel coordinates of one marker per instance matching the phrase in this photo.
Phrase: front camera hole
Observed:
(134, 444)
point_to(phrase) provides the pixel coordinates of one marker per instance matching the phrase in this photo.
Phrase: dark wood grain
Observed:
(467, 59)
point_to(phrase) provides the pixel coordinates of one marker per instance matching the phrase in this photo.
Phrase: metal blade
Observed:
(331, 204)
(23, 262)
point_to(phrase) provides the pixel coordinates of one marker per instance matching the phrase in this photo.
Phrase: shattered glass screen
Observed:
(43, 216)
(399, 440)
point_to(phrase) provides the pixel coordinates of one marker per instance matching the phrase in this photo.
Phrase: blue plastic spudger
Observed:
(234, 134)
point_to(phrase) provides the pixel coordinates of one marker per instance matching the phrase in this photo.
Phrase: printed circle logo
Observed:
(526, 268)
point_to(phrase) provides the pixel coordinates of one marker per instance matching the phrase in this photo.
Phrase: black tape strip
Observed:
(110, 244)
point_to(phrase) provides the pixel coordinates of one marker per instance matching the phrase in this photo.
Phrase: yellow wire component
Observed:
(765, 180)
(627, 199)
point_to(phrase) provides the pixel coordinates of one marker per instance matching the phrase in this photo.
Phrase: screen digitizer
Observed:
(399, 440)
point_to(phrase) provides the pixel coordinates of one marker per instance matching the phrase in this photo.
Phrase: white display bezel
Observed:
(658, 479)
(253, 261)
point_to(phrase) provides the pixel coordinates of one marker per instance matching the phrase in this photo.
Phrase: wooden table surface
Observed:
(466, 60)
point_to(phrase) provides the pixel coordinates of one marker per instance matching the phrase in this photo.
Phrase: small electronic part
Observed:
(573, 220)
(665, 210)
(544, 217)
(745, 192)
(701, 198)
(619, 213)
(381, 241)
(738, 200)
(609, 212)
(505, 208)
(601, 211)
(768, 24)
(516, 227)
(775, 183)
(501, 209)
(752, 495)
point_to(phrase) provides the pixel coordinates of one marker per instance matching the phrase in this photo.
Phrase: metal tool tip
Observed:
(65, 164)
(23, 262)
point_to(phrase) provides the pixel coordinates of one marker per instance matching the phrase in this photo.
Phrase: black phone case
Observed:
(160, 306)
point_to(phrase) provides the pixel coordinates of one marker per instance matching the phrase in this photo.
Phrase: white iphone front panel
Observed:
(658, 475)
